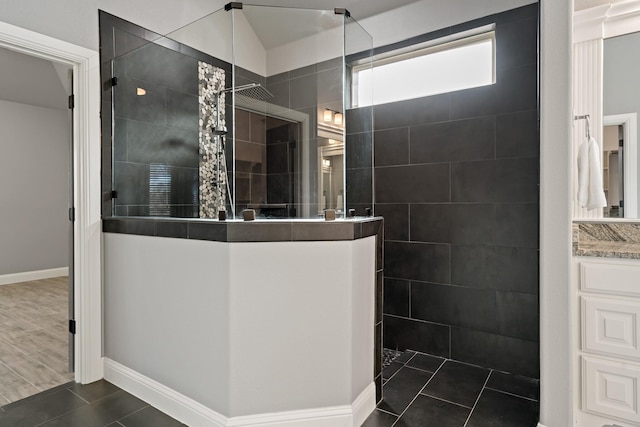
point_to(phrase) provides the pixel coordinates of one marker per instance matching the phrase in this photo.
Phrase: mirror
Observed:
(606, 69)
(331, 167)
(621, 104)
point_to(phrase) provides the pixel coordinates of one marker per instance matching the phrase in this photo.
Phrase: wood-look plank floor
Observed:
(33, 338)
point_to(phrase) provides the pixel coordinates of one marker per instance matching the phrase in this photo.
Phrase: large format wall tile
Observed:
(497, 351)
(392, 147)
(400, 333)
(417, 261)
(502, 180)
(413, 184)
(396, 217)
(454, 305)
(517, 134)
(472, 139)
(457, 180)
(453, 223)
(495, 267)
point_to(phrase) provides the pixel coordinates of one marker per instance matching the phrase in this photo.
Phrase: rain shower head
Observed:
(252, 90)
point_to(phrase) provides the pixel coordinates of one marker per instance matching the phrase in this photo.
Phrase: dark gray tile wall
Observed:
(155, 135)
(456, 179)
(310, 90)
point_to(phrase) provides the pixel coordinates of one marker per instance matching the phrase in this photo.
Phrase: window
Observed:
(443, 66)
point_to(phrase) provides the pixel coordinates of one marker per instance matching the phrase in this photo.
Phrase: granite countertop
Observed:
(606, 239)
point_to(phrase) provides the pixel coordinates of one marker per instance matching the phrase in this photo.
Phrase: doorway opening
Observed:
(85, 261)
(36, 183)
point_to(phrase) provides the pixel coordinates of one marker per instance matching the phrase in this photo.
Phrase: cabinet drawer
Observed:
(611, 389)
(611, 327)
(622, 279)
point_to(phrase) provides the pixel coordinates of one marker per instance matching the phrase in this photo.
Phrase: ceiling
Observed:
(294, 22)
(587, 4)
(359, 9)
(33, 81)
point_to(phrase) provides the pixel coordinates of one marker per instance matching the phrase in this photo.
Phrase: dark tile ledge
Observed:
(271, 230)
(606, 239)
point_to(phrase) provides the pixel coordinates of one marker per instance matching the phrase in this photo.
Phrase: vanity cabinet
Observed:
(609, 341)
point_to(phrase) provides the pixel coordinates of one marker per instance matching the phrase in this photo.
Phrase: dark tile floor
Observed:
(419, 391)
(427, 391)
(99, 404)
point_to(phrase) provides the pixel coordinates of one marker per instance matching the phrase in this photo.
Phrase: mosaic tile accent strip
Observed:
(609, 240)
(213, 179)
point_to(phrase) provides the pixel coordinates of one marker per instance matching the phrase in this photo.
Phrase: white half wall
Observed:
(166, 309)
(34, 184)
(246, 330)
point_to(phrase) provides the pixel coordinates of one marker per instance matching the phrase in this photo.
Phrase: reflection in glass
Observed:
(200, 125)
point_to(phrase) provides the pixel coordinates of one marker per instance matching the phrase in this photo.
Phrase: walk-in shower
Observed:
(201, 124)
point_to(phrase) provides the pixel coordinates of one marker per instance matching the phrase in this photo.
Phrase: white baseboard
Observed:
(194, 414)
(27, 276)
(540, 425)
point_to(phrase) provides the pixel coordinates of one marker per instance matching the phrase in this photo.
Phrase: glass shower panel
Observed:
(288, 78)
(169, 116)
(359, 132)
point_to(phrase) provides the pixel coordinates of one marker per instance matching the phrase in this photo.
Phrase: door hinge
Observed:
(72, 326)
(72, 102)
(72, 214)
(114, 194)
(114, 81)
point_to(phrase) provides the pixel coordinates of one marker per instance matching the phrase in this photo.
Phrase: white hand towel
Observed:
(590, 190)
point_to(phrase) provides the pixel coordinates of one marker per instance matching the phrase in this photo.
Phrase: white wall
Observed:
(396, 25)
(243, 328)
(34, 151)
(621, 91)
(556, 317)
(166, 308)
(61, 19)
(76, 21)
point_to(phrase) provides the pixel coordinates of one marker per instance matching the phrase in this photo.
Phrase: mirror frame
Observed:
(590, 28)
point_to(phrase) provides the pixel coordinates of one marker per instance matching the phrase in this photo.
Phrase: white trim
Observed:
(86, 191)
(540, 425)
(195, 414)
(27, 276)
(180, 407)
(629, 123)
(609, 20)
(279, 111)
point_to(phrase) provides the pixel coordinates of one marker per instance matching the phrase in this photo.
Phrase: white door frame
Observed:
(86, 166)
(629, 123)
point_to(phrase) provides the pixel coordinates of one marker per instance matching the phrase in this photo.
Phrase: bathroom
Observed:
(456, 173)
(414, 210)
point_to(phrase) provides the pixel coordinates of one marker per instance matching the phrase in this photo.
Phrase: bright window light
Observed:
(447, 67)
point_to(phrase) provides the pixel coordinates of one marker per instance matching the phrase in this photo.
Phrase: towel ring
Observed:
(588, 125)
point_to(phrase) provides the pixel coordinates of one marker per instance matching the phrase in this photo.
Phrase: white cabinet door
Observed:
(611, 327)
(611, 389)
(621, 278)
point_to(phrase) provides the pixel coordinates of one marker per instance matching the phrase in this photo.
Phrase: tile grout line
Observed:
(478, 399)
(77, 395)
(403, 365)
(445, 400)
(419, 392)
(511, 394)
(386, 412)
(74, 410)
(131, 413)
